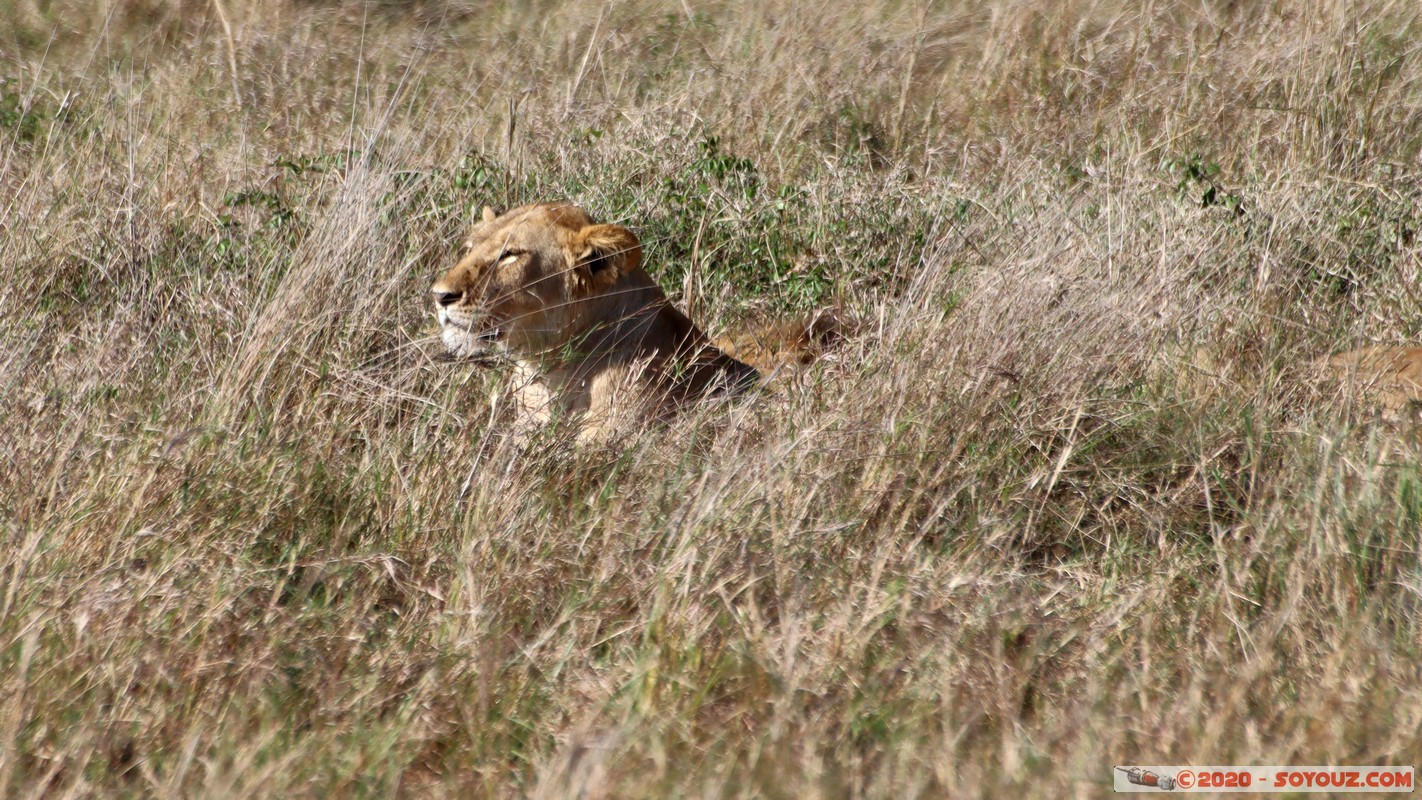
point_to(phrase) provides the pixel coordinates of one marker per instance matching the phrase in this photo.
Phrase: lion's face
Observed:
(520, 281)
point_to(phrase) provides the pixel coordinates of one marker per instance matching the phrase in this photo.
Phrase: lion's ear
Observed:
(602, 253)
(490, 214)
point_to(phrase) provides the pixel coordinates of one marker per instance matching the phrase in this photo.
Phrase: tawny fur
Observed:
(1388, 376)
(785, 343)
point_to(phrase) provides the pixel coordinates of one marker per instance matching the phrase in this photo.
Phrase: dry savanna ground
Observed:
(1067, 498)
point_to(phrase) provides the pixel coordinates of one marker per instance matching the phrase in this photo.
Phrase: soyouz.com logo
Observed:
(1262, 779)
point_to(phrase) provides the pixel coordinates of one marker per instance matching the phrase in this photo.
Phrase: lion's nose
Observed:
(447, 298)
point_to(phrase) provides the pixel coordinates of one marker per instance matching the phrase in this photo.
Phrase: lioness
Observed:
(1390, 377)
(593, 337)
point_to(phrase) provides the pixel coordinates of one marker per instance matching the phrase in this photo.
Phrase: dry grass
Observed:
(1064, 503)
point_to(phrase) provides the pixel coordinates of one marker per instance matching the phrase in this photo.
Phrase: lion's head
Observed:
(524, 275)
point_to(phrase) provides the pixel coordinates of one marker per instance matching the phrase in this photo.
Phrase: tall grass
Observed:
(1066, 500)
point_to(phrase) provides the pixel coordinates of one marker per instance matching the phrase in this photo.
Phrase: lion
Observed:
(594, 340)
(1387, 376)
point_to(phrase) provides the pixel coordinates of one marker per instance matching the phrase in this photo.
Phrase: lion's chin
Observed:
(464, 343)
